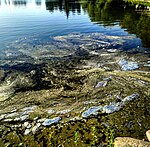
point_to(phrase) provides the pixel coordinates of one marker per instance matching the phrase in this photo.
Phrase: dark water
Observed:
(27, 18)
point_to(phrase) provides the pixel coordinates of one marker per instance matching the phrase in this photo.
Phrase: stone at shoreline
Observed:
(130, 142)
(128, 65)
(48, 122)
(148, 135)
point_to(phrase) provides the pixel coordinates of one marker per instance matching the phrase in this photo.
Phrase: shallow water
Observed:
(44, 19)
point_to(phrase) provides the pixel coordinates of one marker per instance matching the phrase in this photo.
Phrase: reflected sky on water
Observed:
(24, 18)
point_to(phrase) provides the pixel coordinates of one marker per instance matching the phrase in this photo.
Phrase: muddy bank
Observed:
(94, 91)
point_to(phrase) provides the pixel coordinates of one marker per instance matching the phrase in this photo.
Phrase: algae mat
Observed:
(81, 98)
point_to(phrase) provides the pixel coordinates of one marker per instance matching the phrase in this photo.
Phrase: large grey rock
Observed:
(130, 142)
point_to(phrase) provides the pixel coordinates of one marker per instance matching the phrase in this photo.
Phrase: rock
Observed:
(148, 135)
(111, 108)
(48, 122)
(127, 141)
(128, 65)
(101, 84)
(35, 128)
(27, 131)
(27, 125)
(131, 97)
(91, 111)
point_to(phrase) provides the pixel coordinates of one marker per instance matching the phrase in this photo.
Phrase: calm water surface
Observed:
(26, 18)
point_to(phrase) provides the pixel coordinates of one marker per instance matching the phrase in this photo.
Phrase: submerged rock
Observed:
(101, 84)
(128, 65)
(111, 108)
(131, 97)
(91, 111)
(48, 122)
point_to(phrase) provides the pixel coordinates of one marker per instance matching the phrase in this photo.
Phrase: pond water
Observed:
(21, 19)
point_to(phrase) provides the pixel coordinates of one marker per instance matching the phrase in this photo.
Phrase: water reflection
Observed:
(63, 5)
(38, 2)
(126, 14)
(16, 2)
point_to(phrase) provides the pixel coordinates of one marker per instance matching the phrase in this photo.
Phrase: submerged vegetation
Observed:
(80, 89)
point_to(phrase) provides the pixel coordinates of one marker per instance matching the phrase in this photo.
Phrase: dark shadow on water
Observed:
(67, 6)
(134, 18)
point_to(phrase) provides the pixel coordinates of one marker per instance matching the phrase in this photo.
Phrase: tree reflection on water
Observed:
(133, 17)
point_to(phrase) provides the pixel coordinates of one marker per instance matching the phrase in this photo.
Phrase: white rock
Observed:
(48, 122)
(35, 128)
(27, 131)
(27, 125)
(148, 135)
